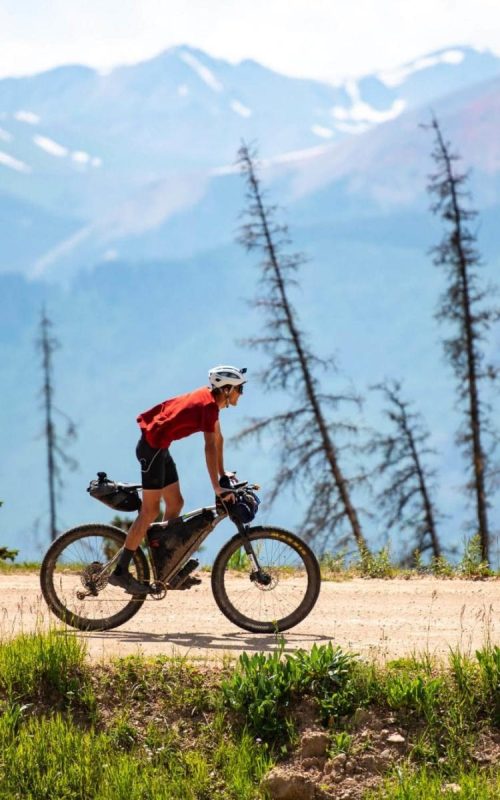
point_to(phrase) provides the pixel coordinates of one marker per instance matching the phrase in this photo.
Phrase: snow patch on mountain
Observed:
(228, 169)
(353, 127)
(241, 109)
(81, 157)
(322, 132)
(203, 72)
(359, 111)
(295, 156)
(51, 147)
(42, 264)
(13, 163)
(27, 116)
(290, 157)
(395, 77)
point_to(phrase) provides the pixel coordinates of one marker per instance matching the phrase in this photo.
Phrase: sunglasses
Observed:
(239, 388)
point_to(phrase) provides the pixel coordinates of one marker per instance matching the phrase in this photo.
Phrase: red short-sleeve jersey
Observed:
(179, 417)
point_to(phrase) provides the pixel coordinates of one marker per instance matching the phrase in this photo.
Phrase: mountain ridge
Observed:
(137, 302)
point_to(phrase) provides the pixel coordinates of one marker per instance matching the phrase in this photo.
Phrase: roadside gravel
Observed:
(379, 619)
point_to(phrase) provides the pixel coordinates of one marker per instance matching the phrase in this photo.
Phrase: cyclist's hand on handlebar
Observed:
(224, 494)
(227, 480)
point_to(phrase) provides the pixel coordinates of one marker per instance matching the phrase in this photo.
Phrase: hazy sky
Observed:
(325, 39)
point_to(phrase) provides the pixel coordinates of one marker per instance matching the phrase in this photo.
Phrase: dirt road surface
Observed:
(375, 618)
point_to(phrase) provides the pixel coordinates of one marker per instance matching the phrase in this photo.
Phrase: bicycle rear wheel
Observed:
(74, 584)
(286, 590)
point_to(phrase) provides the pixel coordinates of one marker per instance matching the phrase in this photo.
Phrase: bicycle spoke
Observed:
(74, 578)
(268, 599)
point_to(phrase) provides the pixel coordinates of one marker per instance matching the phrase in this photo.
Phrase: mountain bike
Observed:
(264, 579)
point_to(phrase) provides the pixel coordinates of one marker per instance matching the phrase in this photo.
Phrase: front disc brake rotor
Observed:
(264, 581)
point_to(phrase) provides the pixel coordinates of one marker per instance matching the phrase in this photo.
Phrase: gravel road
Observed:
(375, 618)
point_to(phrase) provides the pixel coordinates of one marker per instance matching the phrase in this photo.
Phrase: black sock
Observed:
(124, 561)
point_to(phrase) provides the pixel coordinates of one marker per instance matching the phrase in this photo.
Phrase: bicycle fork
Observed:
(257, 575)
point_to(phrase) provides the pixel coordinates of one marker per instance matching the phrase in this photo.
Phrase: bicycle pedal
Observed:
(177, 581)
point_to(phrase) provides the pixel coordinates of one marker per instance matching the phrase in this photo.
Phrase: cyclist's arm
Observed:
(214, 444)
(212, 459)
(219, 440)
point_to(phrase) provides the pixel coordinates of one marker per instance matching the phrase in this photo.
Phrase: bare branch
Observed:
(309, 442)
(462, 306)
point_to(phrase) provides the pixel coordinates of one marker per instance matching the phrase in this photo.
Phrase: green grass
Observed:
(52, 757)
(22, 566)
(337, 566)
(48, 667)
(136, 729)
(423, 784)
(168, 728)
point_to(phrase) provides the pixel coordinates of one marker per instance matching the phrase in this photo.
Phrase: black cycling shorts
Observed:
(157, 466)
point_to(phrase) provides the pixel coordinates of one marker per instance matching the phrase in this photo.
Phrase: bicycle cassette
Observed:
(94, 577)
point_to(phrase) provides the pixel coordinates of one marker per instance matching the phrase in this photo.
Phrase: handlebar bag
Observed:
(245, 507)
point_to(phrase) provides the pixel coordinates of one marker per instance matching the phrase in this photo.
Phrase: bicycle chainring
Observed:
(157, 590)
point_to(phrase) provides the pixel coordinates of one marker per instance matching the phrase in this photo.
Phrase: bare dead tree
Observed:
(464, 307)
(56, 454)
(310, 443)
(406, 499)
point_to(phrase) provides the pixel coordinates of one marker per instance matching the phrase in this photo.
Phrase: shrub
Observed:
(472, 564)
(264, 686)
(377, 565)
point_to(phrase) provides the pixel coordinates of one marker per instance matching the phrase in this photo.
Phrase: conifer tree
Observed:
(406, 498)
(466, 310)
(310, 436)
(56, 454)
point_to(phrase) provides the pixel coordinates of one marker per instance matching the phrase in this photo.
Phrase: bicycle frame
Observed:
(193, 544)
(88, 546)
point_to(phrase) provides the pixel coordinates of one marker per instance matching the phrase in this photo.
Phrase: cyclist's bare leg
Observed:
(149, 511)
(174, 501)
(121, 576)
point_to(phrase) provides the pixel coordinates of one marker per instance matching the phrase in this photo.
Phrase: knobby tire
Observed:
(293, 591)
(60, 579)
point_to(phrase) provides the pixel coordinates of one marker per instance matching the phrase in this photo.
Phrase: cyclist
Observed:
(176, 418)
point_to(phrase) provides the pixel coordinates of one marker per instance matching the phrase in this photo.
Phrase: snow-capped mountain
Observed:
(369, 176)
(90, 157)
(76, 142)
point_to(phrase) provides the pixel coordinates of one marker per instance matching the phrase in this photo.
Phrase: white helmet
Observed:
(226, 376)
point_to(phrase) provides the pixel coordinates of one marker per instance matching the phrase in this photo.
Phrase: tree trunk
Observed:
(478, 461)
(328, 445)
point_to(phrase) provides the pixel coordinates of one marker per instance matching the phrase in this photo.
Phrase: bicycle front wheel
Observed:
(74, 575)
(280, 595)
